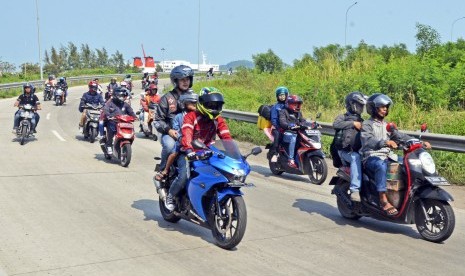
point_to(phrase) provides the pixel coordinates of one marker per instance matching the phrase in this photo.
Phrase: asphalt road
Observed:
(65, 210)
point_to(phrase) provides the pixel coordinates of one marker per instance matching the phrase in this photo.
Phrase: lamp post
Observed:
(163, 59)
(345, 32)
(38, 40)
(198, 43)
(452, 28)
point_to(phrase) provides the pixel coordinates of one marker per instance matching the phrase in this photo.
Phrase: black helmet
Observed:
(188, 98)
(128, 76)
(28, 85)
(180, 72)
(355, 102)
(377, 100)
(211, 104)
(120, 94)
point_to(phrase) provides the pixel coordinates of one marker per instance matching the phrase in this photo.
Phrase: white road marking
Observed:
(48, 116)
(58, 136)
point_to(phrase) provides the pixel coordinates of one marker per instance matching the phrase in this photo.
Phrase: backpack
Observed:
(333, 149)
(265, 111)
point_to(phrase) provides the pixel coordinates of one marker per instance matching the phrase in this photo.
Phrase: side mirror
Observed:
(197, 144)
(424, 127)
(390, 127)
(318, 115)
(254, 151)
(137, 113)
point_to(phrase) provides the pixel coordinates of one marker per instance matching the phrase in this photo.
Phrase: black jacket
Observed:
(289, 119)
(167, 109)
(347, 136)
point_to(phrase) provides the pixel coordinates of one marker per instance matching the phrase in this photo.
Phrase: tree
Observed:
(46, 58)
(86, 56)
(73, 57)
(427, 38)
(102, 57)
(6, 68)
(158, 68)
(117, 62)
(30, 68)
(268, 62)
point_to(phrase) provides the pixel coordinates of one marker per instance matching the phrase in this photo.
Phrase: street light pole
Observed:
(452, 28)
(345, 30)
(38, 40)
(198, 44)
(163, 59)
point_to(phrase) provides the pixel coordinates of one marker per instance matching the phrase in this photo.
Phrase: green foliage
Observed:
(427, 38)
(268, 62)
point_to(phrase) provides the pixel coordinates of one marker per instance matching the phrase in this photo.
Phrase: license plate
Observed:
(437, 180)
(312, 132)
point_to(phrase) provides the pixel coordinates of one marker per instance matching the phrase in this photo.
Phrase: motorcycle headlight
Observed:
(427, 162)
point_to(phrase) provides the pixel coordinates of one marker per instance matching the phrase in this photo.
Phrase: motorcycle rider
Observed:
(377, 143)
(188, 103)
(110, 87)
(64, 86)
(281, 95)
(99, 89)
(91, 97)
(348, 141)
(203, 124)
(51, 80)
(290, 118)
(151, 97)
(116, 106)
(27, 97)
(128, 81)
(182, 78)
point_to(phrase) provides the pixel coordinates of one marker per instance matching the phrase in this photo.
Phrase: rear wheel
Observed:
(229, 222)
(343, 199)
(166, 214)
(318, 170)
(274, 166)
(439, 222)
(125, 155)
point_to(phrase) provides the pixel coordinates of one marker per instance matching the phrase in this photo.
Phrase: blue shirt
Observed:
(275, 114)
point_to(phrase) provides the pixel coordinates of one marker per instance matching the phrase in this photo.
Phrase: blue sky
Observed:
(230, 30)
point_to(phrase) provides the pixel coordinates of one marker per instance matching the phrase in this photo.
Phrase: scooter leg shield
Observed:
(436, 193)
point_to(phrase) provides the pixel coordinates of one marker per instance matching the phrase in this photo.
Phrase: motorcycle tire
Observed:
(442, 225)
(233, 215)
(57, 102)
(23, 135)
(344, 210)
(167, 214)
(274, 167)
(155, 137)
(92, 134)
(318, 170)
(125, 155)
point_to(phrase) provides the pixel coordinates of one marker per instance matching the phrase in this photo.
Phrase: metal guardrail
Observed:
(453, 143)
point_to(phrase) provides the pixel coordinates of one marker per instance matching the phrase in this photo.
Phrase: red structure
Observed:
(138, 62)
(149, 62)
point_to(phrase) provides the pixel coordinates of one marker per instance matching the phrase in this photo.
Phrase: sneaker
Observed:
(110, 150)
(169, 202)
(34, 131)
(292, 164)
(355, 196)
(81, 129)
(274, 158)
(14, 130)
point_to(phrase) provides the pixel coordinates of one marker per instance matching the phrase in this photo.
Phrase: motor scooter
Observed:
(124, 137)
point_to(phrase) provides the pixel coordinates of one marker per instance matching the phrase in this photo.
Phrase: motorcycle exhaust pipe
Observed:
(161, 191)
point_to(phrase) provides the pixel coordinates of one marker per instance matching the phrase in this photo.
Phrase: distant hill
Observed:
(237, 63)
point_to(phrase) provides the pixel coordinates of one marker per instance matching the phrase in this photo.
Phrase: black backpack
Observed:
(265, 111)
(333, 148)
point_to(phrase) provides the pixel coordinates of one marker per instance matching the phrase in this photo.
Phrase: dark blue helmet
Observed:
(180, 72)
(281, 90)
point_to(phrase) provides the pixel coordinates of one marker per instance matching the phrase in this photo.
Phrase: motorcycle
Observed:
(309, 157)
(122, 141)
(92, 117)
(24, 130)
(148, 130)
(59, 96)
(416, 193)
(212, 197)
(48, 92)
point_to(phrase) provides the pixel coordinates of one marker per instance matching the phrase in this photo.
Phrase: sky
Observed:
(229, 30)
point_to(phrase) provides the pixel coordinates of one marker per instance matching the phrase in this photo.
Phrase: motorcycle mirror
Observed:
(197, 144)
(318, 115)
(390, 127)
(424, 127)
(137, 112)
(256, 151)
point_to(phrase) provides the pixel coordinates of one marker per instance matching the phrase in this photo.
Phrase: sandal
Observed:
(391, 211)
(160, 176)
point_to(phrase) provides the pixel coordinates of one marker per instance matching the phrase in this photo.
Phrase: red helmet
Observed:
(294, 103)
(93, 86)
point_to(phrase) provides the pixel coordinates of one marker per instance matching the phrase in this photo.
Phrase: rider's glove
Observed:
(191, 156)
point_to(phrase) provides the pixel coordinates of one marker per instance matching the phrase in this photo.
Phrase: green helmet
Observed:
(210, 103)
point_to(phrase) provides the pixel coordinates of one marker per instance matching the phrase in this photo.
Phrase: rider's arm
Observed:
(129, 110)
(82, 103)
(36, 100)
(144, 104)
(160, 117)
(283, 121)
(188, 132)
(100, 100)
(222, 129)
(275, 116)
(341, 123)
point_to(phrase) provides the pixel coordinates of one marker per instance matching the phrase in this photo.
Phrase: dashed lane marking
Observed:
(58, 136)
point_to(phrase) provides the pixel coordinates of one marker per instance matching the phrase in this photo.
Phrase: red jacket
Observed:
(196, 126)
(149, 99)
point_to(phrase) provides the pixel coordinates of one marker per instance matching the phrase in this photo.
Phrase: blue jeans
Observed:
(353, 158)
(182, 166)
(378, 168)
(167, 144)
(291, 138)
(34, 120)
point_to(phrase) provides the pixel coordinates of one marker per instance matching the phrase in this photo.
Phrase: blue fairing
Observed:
(210, 173)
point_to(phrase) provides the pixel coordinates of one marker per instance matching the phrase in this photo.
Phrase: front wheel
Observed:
(93, 134)
(23, 135)
(57, 101)
(229, 222)
(438, 223)
(125, 155)
(318, 170)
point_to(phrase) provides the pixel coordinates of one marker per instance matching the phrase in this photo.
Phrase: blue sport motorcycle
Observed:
(212, 197)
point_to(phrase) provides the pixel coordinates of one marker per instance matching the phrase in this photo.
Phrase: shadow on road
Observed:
(332, 213)
(152, 213)
(265, 171)
(26, 141)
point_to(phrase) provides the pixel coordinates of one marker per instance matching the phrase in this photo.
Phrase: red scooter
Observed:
(415, 192)
(308, 156)
(122, 141)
